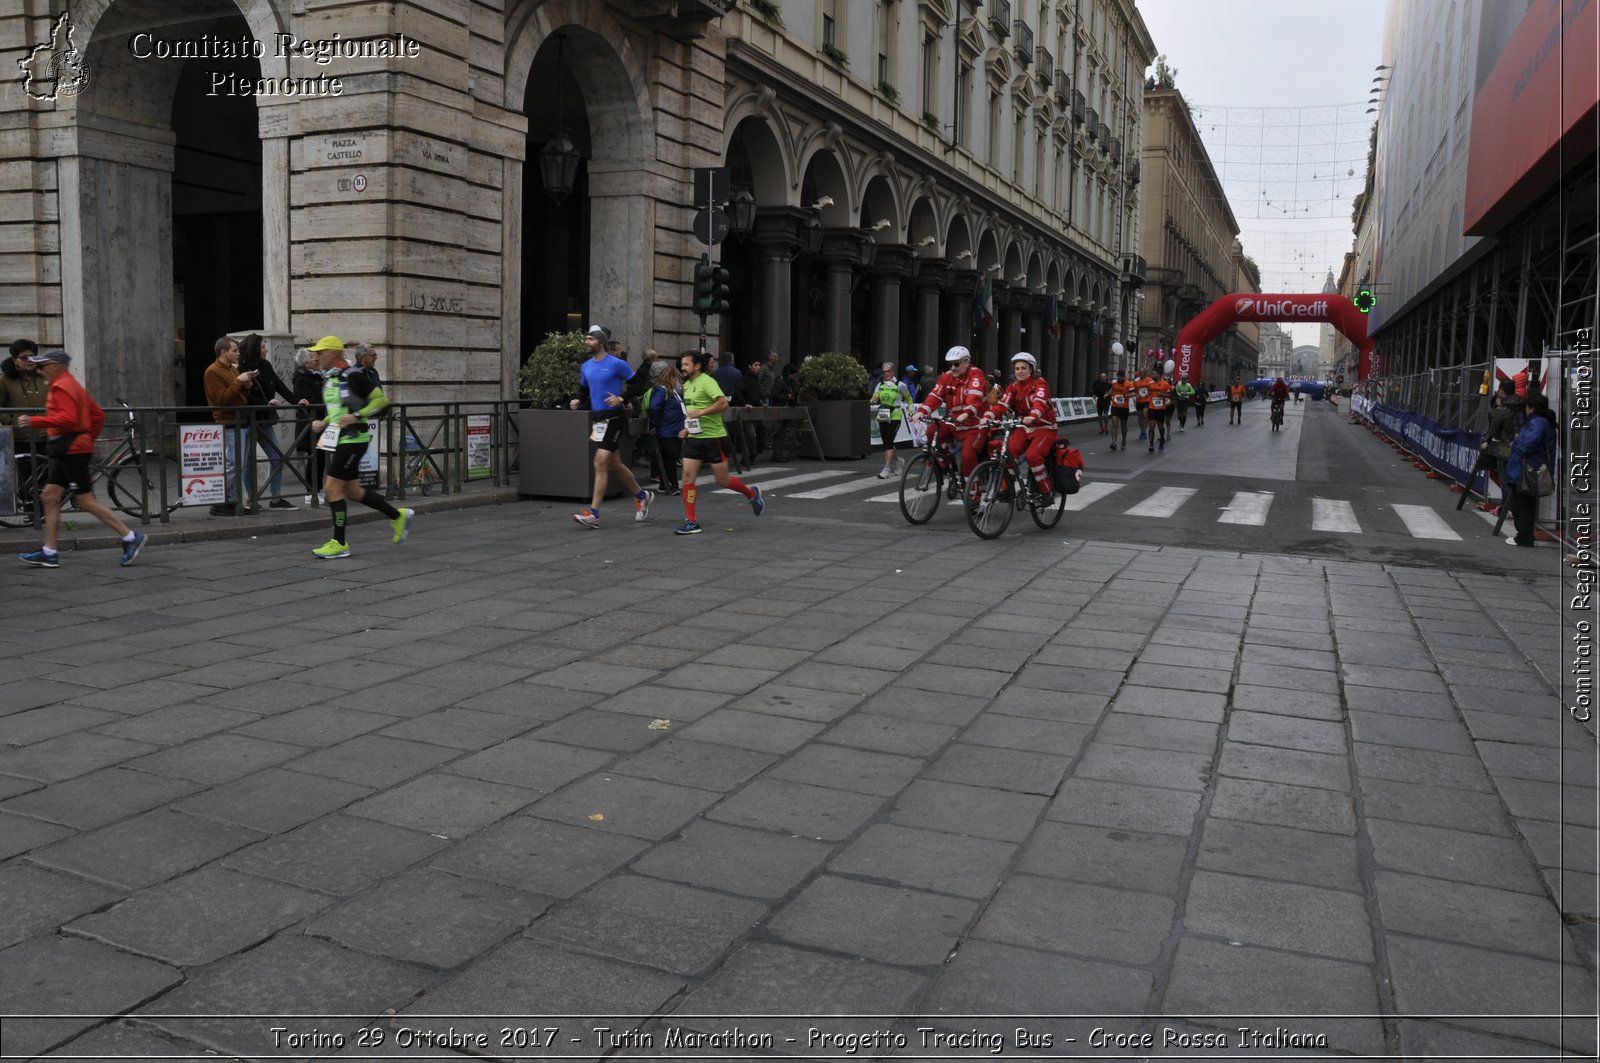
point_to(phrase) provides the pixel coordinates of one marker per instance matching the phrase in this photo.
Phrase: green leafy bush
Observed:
(833, 376)
(549, 378)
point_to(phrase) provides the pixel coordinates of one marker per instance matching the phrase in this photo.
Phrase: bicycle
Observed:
(1277, 414)
(134, 476)
(1003, 484)
(931, 474)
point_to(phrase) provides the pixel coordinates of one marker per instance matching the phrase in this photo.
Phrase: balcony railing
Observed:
(1079, 107)
(1116, 151)
(1064, 89)
(1094, 124)
(1000, 18)
(1024, 35)
(1044, 63)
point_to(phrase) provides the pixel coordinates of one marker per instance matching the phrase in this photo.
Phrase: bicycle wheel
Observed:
(921, 484)
(134, 485)
(1047, 516)
(988, 500)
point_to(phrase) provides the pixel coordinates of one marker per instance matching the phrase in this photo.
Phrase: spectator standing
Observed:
(228, 392)
(1101, 390)
(666, 424)
(350, 400)
(267, 389)
(1535, 445)
(725, 371)
(307, 384)
(930, 378)
(22, 386)
(1496, 448)
(608, 383)
(747, 396)
(908, 377)
(771, 373)
(71, 421)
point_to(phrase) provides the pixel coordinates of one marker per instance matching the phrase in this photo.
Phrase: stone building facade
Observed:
(377, 171)
(1190, 238)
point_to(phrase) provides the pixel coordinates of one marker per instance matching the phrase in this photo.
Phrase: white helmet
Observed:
(957, 353)
(1024, 356)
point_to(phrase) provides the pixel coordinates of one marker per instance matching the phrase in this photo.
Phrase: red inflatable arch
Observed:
(1336, 310)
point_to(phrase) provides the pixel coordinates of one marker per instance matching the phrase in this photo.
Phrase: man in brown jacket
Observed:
(228, 392)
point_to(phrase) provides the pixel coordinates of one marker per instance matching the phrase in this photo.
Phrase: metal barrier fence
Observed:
(1447, 394)
(420, 446)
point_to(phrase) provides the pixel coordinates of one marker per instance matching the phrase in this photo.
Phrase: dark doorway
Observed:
(555, 236)
(216, 214)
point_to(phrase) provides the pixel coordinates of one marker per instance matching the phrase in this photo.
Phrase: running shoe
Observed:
(1162, 446)
(1152, 448)
(641, 506)
(281, 503)
(587, 517)
(1141, 435)
(131, 550)
(1113, 446)
(40, 559)
(883, 473)
(402, 524)
(331, 549)
(688, 527)
(757, 503)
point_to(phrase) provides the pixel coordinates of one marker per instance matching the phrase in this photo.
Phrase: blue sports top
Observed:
(602, 377)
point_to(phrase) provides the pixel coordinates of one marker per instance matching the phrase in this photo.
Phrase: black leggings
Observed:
(671, 458)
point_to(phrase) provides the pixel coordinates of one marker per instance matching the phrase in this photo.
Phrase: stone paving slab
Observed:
(1031, 777)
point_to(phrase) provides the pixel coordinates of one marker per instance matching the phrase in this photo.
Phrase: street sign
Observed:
(710, 186)
(710, 226)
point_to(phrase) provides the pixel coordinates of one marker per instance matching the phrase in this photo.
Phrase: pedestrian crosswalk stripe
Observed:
(1423, 523)
(1164, 503)
(1334, 515)
(1090, 493)
(1247, 507)
(805, 477)
(866, 483)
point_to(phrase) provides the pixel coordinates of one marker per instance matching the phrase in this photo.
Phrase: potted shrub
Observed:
(833, 388)
(553, 441)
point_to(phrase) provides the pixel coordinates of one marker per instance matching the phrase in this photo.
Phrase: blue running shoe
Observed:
(1162, 446)
(131, 550)
(688, 527)
(40, 559)
(757, 501)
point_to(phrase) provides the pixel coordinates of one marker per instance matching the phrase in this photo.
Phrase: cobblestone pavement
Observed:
(555, 778)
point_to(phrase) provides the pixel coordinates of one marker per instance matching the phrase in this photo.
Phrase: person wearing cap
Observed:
(228, 392)
(609, 383)
(1028, 396)
(960, 390)
(71, 421)
(22, 386)
(350, 399)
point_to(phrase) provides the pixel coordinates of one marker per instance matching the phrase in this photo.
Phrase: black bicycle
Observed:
(1277, 414)
(1003, 484)
(141, 482)
(930, 475)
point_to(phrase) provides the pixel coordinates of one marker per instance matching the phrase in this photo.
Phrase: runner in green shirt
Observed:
(1183, 392)
(889, 399)
(705, 438)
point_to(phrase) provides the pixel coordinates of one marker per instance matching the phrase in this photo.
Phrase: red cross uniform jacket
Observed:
(963, 395)
(1030, 398)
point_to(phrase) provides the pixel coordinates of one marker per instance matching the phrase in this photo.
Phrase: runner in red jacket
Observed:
(960, 391)
(1028, 396)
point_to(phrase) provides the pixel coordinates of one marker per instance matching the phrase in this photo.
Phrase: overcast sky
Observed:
(1248, 67)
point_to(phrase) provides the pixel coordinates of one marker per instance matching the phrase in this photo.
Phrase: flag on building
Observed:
(985, 301)
(1052, 319)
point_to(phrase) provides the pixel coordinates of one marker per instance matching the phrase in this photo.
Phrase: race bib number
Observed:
(884, 413)
(597, 432)
(692, 424)
(329, 439)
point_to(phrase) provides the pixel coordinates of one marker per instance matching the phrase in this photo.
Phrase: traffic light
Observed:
(703, 284)
(710, 287)
(1365, 301)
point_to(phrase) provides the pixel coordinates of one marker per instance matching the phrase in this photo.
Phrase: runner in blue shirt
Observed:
(610, 382)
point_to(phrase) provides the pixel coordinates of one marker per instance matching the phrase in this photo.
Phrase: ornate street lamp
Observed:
(558, 159)
(741, 210)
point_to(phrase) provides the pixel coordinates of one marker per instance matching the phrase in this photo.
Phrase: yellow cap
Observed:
(327, 343)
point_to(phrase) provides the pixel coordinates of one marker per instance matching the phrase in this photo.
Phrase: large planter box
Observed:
(553, 455)
(843, 427)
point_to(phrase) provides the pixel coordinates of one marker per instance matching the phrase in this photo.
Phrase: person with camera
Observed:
(228, 392)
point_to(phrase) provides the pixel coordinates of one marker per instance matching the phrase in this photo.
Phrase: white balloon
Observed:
(1118, 349)
(1171, 365)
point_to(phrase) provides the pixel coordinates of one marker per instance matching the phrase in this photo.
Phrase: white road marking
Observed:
(1164, 503)
(1333, 515)
(1090, 493)
(785, 481)
(1423, 523)
(1247, 507)
(867, 483)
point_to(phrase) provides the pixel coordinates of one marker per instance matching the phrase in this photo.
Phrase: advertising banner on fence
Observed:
(479, 445)
(8, 476)
(201, 464)
(369, 460)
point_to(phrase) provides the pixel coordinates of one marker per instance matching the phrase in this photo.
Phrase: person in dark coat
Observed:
(1535, 445)
(268, 389)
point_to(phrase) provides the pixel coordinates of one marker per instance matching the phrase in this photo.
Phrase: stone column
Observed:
(892, 265)
(992, 339)
(841, 257)
(777, 242)
(933, 277)
(958, 311)
(1085, 350)
(1033, 341)
(1011, 326)
(1067, 350)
